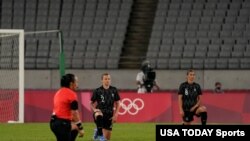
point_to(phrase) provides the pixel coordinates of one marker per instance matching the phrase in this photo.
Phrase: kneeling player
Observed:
(105, 103)
(189, 97)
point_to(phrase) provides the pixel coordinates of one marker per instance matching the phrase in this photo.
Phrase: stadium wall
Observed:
(231, 107)
(125, 79)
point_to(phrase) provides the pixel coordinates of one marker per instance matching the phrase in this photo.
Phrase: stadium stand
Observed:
(93, 30)
(199, 34)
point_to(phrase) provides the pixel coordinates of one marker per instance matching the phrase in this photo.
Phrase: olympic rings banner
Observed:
(230, 107)
(137, 107)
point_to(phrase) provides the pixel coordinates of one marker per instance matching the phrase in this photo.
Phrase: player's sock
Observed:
(95, 134)
(99, 125)
(203, 118)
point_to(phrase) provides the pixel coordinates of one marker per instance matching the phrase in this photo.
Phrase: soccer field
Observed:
(42, 132)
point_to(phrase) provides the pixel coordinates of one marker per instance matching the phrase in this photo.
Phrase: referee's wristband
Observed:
(79, 125)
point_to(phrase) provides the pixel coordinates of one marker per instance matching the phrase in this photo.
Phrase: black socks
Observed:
(99, 125)
(203, 118)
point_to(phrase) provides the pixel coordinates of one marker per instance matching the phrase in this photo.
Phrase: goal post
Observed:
(12, 72)
(21, 50)
(62, 55)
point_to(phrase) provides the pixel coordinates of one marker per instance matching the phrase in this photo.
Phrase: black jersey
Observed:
(189, 93)
(105, 98)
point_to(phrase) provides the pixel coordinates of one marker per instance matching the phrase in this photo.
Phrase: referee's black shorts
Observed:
(61, 128)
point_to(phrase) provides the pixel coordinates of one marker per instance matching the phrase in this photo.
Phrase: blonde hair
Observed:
(104, 74)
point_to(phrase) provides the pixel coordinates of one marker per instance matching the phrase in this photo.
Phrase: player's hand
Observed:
(73, 126)
(81, 133)
(97, 110)
(114, 118)
(182, 113)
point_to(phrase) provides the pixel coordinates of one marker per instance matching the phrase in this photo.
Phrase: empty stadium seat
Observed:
(216, 29)
(183, 32)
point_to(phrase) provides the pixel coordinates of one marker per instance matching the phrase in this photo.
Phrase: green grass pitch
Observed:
(42, 132)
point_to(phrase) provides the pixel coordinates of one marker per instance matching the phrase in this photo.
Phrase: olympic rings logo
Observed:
(131, 107)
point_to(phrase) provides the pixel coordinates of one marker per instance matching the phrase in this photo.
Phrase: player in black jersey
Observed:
(189, 96)
(105, 103)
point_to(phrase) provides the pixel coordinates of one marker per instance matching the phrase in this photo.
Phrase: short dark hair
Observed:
(67, 79)
(217, 83)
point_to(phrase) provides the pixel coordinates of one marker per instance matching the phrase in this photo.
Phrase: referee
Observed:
(105, 103)
(189, 97)
(65, 121)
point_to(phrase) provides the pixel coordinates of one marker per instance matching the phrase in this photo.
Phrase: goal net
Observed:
(12, 76)
(44, 50)
(39, 50)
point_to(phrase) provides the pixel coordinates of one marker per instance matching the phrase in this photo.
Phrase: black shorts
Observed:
(106, 120)
(61, 128)
(189, 116)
